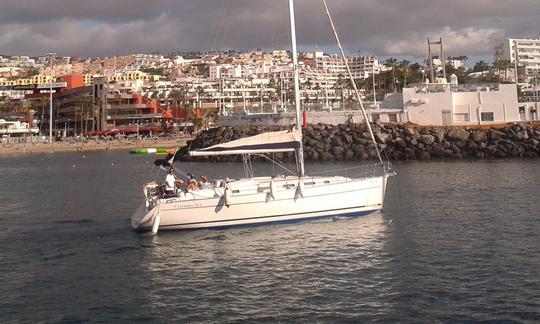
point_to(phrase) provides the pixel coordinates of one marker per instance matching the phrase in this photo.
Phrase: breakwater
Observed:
(398, 142)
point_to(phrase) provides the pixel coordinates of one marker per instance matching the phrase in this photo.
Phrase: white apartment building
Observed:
(477, 105)
(361, 66)
(265, 68)
(456, 63)
(525, 51)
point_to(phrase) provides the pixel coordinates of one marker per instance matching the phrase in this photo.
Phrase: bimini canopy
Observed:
(272, 142)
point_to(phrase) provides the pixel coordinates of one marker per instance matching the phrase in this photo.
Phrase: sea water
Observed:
(456, 241)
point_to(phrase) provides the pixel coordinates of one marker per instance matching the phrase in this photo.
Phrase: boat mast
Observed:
(300, 150)
(352, 81)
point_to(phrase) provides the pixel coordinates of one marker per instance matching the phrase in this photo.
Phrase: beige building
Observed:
(36, 79)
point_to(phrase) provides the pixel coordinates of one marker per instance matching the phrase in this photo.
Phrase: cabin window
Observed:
(392, 118)
(487, 116)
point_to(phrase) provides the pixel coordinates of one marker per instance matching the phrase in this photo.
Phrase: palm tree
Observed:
(317, 90)
(391, 62)
(339, 84)
(88, 101)
(200, 93)
(174, 96)
(404, 64)
(480, 66)
(501, 65)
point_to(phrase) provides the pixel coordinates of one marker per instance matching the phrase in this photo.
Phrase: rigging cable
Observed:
(364, 113)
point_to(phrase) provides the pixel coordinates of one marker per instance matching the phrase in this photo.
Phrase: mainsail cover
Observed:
(271, 142)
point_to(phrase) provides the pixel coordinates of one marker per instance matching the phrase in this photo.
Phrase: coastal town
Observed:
(292, 161)
(52, 98)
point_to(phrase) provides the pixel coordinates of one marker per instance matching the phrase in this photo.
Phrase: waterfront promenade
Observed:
(9, 149)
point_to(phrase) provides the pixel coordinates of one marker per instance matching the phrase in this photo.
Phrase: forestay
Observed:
(270, 142)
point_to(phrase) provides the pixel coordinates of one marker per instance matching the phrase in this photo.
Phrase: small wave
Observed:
(75, 221)
(125, 248)
(219, 237)
(58, 256)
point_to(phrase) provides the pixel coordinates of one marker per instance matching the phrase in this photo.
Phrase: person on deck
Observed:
(171, 183)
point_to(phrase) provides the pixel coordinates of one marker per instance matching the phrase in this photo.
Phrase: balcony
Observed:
(128, 107)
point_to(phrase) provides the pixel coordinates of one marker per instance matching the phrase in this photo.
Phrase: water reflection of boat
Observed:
(259, 200)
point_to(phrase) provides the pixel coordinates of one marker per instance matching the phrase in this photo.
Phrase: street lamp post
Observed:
(51, 56)
(516, 61)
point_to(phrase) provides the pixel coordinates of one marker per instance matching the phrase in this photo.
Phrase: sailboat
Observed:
(262, 200)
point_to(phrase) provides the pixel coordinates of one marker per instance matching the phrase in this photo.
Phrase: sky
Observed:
(398, 28)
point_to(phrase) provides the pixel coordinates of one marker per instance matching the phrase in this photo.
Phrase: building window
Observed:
(461, 117)
(392, 118)
(487, 116)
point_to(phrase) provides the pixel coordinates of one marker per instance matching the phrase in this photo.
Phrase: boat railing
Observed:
(363, 171)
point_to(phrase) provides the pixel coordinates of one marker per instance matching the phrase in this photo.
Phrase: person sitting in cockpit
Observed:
(192, 185)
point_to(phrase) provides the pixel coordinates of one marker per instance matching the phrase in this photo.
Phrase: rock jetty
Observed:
(397, 142)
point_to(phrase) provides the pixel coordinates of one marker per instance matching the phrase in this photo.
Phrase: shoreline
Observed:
(18, 149)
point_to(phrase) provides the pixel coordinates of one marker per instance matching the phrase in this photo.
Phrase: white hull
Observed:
(253, 202)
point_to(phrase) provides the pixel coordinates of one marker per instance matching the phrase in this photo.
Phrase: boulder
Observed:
(400, 142)
(427, 139)
(439, 134)
(336, 141)
(472, 146)
(495, 135)
(383, 137)
(347, 139)
(458, 134)
(479, 136)
(411, 132)
(522, 135)
(337, 150)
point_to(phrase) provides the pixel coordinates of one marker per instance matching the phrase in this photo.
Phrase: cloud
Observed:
(470, 40)
(384, 27)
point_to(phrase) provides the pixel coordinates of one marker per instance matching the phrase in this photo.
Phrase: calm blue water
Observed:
(457, 241)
